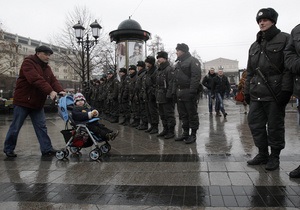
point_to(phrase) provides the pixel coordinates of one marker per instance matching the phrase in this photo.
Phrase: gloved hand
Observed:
(247, 98)
(284, 98)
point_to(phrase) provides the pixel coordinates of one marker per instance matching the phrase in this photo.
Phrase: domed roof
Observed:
(129, 24)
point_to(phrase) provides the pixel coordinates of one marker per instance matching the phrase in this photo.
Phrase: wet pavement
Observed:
(143, 171)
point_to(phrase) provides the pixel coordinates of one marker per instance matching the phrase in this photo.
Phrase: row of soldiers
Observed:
(140, 96)
(132, 100)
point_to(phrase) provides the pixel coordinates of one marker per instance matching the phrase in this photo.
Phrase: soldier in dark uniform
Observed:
(112, 96)
(101, 96)
(267, 90)
(149, 84)
(140, 94)
(164, 97)
(186, 86)
(124, 96)
(133, 99)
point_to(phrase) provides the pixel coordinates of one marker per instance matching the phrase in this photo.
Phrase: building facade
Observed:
(13, 50)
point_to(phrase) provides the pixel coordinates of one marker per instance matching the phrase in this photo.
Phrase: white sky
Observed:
(214, 28)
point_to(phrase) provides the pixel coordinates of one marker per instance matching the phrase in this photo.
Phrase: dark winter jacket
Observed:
(292, 59)
(187, 77)
(112, 89)
(164, 82)
(220, 84)
(272, 43)
(34, 83)
(124, 89)
(207, 80)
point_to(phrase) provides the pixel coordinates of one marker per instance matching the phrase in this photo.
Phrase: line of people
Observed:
(148, 92)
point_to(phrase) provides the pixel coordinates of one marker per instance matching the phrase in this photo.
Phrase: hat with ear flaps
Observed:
(78, 97)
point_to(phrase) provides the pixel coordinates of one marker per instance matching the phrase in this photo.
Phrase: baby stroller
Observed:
(79, 136)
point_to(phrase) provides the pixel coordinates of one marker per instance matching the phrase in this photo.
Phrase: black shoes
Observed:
(191, 139)
(273, 163)
(258, 160)
(111, 136)
(153, 130)
(169, 135)
(49, 153)
(11, 154)
(295, 173)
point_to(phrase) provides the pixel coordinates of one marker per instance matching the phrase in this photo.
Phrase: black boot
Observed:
(170, 134)
(295, 173)
(273, 162)
(122, 122)
(135, 123)
(164, 132)
(154, 129)
(184, 136)
(142, 126)
(261, 158)
(192, 138)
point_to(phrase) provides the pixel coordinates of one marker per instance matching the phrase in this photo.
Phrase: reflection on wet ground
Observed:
(143, 171)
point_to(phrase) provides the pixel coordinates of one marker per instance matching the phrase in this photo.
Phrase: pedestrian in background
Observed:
(207, 82)
(35, 82)
(268, 89)
(220, 87)
(186, 85)
(292, 62)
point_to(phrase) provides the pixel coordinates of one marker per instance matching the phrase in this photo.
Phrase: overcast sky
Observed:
(214, 28)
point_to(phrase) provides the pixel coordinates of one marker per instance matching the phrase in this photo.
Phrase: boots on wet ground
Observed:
(273, 162)
(261, 158)
(154, 129)
(135, 123)
(184, 136)
(192, 138)
(295, 173)
(170, 134)
(163, 133)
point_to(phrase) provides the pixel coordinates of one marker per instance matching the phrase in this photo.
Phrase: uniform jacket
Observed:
(272, 42)
(292, 59)
(187, 77)
(34, 83)
(112, 89)
(207, 80)
(132, 82)
(149, 83)
(140, 91)
(124, 89)
(164, 82)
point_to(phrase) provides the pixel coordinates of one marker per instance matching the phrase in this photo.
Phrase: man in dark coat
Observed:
(268, 89)
(292, 62)
(112, 96)
(186, 87)
(124, 96)
(149, 84)
(220, 86)
(133, 99)
(164, 97)
(207, 82)
(35, 82)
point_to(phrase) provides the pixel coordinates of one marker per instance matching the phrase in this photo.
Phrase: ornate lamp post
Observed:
(87, 43)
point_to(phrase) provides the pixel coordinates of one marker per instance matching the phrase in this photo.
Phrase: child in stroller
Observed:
(86, 129)
(82, 112)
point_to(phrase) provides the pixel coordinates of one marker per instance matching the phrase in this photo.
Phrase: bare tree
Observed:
(156, 45)
(74, 54)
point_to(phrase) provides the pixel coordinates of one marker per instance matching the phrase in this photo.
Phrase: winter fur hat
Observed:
(183, 47)
(141, 64)
(78, 97)
(124, 70)
(132, 67)
(150, 59)
(267, 13)
(162, 54)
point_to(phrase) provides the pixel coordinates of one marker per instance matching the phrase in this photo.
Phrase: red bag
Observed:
(239, 96)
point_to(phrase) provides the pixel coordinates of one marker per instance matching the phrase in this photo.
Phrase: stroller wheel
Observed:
(95, 154)
(66, 153)
(75, 150)
(60, 154)
(105, 148)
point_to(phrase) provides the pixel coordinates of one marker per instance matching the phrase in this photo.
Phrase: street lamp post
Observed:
(87, 44)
